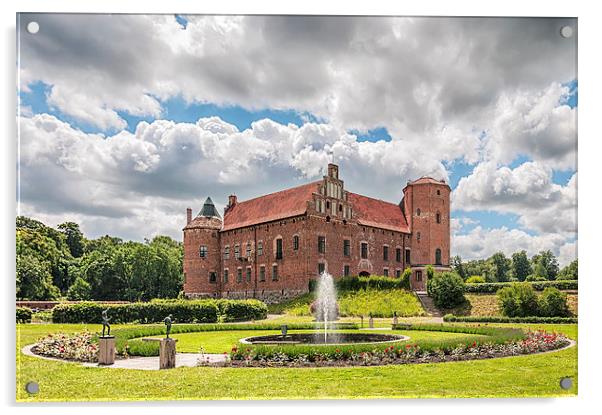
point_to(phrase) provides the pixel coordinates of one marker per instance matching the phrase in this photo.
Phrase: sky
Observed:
(127, 120)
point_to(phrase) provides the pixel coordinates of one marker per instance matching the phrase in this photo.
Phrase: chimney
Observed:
(188, 215)
(231, 200)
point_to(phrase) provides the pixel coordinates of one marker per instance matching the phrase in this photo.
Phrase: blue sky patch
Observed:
(374, 135)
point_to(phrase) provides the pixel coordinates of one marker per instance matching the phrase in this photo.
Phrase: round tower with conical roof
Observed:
(202, 252)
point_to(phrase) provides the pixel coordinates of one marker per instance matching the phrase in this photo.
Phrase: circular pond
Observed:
(319, 338)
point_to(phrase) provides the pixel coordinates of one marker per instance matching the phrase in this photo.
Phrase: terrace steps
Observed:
(428, 304)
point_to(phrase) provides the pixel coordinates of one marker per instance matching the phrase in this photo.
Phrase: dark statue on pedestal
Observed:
(105, 323)
(167, 322)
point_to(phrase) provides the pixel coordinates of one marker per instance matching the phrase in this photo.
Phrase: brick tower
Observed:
(202, 251)
(426, 205)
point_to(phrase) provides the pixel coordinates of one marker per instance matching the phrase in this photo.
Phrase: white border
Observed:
(589, 193)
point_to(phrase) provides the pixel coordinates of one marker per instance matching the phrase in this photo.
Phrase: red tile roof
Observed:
(274, 206)
(378, 213)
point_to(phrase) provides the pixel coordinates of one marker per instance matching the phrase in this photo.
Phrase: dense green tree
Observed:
(521, 267)
(74, 238)
(549, 261)
(500, 266)
(570, 272)
(79, 290)
(34, 281)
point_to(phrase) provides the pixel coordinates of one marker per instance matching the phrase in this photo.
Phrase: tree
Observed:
(540, 273)
(501, 266)
(458, 267)
(446, 289)
(80, 290)
(549, 261)
(74, 238)
(34, 281)
(521, 267)
(518, 300)
(570, 272)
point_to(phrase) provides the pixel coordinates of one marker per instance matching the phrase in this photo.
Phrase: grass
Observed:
(379, 303)
(520, 376)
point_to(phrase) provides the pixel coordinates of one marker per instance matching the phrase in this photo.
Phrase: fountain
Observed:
(325, 310)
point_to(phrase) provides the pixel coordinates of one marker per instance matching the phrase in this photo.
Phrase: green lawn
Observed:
(521, 376)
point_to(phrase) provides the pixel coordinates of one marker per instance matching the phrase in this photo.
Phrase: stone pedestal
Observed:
(106, 350)
(371, 323)
(167, 353)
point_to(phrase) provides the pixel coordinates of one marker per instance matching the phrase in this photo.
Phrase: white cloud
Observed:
(481, 243)
(527, 191)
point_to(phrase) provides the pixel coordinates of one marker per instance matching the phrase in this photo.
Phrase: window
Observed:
(274, 272)
(386, 272)
(418, 275)
(364, 250)
(407, 256)
(248, 250)
(346, 271)
(239, 275)
(438, 256)
(236, 251)
(347, 247)
(398, 273)
(417, 212)
(212, 277)
(327, 205)
(438, 192)
(227, 252)
(279, 248)
(295, 242)
(438, 216)
(259, 248)
(398, 254)
(225, 276)
(321, 244)
(418, 236)
(203, 251)
(385, 253)
(262, 273)
(321, 268)
(249, 274)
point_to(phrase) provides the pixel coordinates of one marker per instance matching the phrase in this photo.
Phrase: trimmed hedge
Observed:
(241, 310)
(23, 315)
(182, 311)
(493, 287)
(501, 319)
(356, 283)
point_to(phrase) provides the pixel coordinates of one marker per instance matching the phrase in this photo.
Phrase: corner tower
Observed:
(426, 205)
(202, 252)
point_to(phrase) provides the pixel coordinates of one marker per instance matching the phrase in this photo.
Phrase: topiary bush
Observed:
(23, 315)
(446, 289)
(552, 303)
(475, 279)
(518, 300)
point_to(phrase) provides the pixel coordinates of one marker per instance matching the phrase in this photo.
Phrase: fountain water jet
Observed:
(325, 307)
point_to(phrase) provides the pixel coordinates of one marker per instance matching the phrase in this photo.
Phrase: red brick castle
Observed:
(270, 247)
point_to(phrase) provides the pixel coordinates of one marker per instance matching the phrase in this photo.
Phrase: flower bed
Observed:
(79, 346)
(533, 342)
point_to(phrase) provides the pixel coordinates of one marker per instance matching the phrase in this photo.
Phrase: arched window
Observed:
(418, 236)
(295, 242)
(417, 212)
(438, 256)
(438, 216)
(227, 252)
(248, 250)
(279, 248)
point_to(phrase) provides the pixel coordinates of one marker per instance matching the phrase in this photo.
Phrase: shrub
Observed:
(23, 315)
(502, 319)
(552, 303)
(518, 300)
(79, 290)
(533, 277)
(241, 310)
(492, 287)
(446, 289)
(356, 283)
(475, 279)
(406, 277)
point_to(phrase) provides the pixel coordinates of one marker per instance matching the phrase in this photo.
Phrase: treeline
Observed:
(61, 263)
(518, 267)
